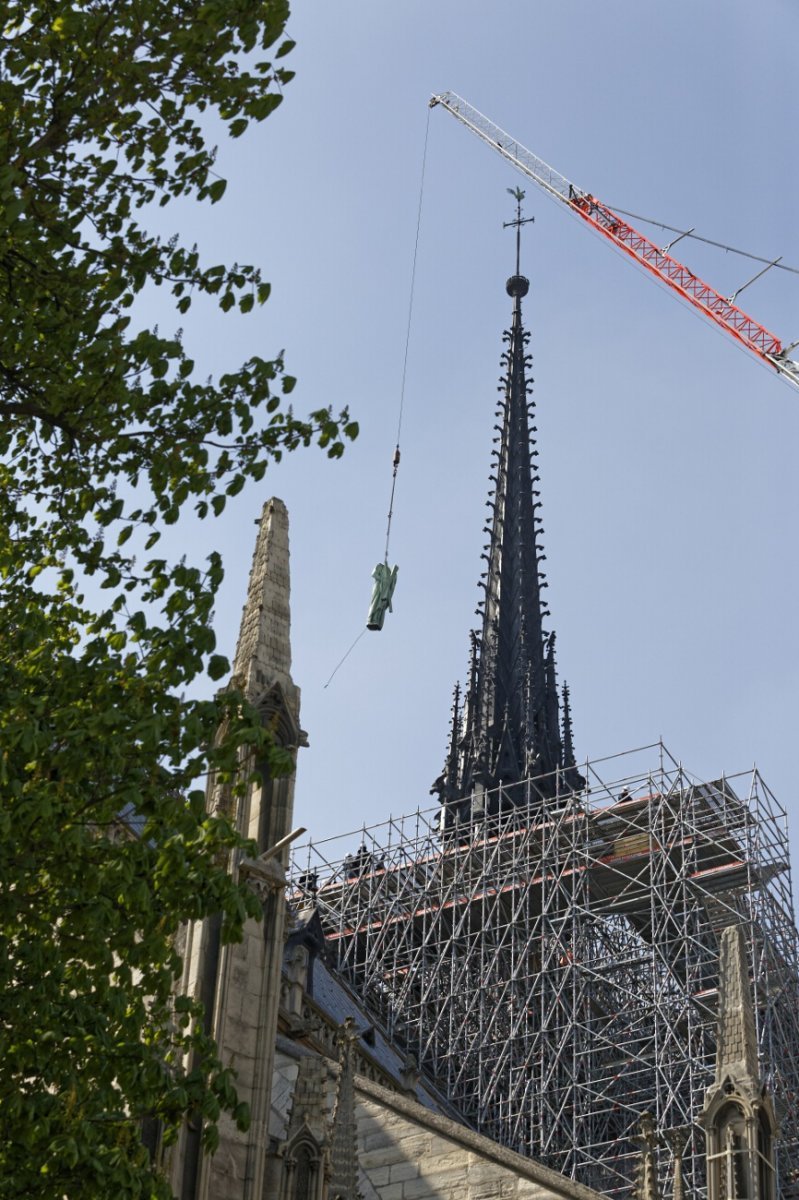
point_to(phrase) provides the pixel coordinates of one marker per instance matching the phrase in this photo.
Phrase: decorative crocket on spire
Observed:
(507, 726)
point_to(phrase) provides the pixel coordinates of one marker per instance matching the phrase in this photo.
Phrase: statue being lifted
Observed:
(385, 578)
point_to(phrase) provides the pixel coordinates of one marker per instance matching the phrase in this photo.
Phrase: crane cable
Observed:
(667, 291)
(695, 237)
(396, 460)
(341, 661)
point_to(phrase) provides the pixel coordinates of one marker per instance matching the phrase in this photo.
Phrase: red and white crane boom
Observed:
(745, 329)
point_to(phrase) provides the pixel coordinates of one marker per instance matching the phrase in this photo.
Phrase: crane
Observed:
(721, 309)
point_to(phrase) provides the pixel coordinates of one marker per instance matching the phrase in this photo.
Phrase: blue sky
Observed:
(667, 455)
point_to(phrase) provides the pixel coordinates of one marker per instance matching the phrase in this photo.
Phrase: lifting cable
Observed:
(396, 460)
(385, 578)
(341, 661)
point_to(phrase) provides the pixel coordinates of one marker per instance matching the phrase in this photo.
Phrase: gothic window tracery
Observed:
(765, 1159)
(741, 1135)
(733, 1166)
(305, 1168)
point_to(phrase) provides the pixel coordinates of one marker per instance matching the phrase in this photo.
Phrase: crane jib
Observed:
(754, 335)
(720, 309)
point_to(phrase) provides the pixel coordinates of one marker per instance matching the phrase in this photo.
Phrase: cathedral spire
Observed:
(736, 1041)
(263, 651)
(510, 727)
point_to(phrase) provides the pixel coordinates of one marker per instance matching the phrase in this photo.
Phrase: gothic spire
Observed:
(736, 1042)
(509, 725)
(574, 780)
(263, 651)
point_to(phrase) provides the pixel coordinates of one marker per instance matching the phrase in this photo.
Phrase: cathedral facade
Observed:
(563, 983)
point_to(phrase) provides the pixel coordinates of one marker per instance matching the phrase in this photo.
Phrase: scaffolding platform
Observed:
(554, 967)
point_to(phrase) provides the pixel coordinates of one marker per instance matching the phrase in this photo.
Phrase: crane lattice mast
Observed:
(720, 309)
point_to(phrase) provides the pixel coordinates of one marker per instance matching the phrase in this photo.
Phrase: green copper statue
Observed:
(385, 578)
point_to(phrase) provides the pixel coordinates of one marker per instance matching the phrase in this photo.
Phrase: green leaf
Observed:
(109, 724)
(218, 666)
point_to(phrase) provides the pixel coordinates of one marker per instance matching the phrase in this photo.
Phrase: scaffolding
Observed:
(554, 967)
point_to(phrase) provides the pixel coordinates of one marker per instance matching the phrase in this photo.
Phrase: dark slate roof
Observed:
(332, 995)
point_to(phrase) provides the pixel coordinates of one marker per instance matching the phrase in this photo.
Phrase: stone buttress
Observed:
(239, 984)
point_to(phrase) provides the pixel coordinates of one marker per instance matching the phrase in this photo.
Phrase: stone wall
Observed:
(409, 1153)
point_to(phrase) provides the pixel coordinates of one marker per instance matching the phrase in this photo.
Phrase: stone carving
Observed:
(646, 1176)
(297, 973)
(265, 877)
(410, 1076)
(344, 1138)
(677, 1140)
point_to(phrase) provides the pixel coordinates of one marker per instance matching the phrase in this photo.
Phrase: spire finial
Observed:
(514, 285)
(646, 1175)
(567, 734)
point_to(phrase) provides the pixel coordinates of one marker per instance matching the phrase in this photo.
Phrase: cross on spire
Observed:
(518, 196)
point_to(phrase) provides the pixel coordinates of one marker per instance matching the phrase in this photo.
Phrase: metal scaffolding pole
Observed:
(554, 968)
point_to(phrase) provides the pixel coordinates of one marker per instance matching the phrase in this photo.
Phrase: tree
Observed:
(106, 436)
